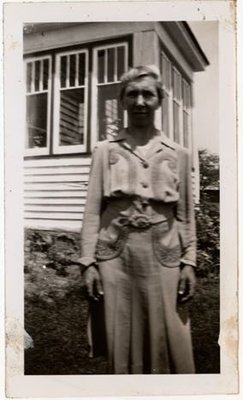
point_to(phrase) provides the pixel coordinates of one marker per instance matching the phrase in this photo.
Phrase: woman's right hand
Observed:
(93, 283)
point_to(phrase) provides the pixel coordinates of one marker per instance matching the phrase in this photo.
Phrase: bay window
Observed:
(71, 92)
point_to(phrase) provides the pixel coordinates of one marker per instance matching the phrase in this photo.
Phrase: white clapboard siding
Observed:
(54, 208)
(50, 186)
(50, 194)
(30, 201)
(57, 178)
(42, 171)
(66, 225)
(55, 192)
(62, 215)
(57, 162)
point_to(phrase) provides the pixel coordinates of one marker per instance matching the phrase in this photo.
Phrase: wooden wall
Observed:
(55, 192)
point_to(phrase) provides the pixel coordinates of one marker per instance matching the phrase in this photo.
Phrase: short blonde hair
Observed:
(139, 72)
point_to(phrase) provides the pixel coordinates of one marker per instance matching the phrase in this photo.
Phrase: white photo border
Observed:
(19, 385)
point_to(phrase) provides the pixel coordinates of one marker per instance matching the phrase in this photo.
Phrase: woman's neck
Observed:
(142, 135)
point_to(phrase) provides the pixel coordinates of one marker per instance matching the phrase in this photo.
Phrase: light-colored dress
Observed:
(139, 226)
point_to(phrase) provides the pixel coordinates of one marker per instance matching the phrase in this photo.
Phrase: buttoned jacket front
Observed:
(163, 177)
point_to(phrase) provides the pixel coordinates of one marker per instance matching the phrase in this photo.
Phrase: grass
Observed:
(56, 311)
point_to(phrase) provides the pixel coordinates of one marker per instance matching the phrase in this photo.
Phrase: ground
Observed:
(56, 311)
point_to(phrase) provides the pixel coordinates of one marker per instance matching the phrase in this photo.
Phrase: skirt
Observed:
(147, 330)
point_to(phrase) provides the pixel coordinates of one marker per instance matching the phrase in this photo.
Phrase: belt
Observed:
(139, 213)
(140, 221)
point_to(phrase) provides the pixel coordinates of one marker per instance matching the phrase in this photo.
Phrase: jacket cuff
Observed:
(86, 262)
(188, 262)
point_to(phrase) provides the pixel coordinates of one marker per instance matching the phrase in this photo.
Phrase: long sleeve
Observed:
(185, 211)
(91, 221)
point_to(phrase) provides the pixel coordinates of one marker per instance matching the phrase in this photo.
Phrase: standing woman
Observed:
(138, 238)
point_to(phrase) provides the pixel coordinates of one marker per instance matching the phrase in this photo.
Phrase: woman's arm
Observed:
(185, 211)
(90, 226)
(187, 230)
(91, 220)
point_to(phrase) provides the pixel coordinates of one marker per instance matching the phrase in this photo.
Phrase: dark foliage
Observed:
(208, 247)
(209, 170)
(207, 217)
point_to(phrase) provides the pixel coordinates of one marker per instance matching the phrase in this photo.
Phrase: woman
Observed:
(138, 238)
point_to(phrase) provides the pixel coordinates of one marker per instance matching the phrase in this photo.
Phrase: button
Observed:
(145, 164)
(144, 185)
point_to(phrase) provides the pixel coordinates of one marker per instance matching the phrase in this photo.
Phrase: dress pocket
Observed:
(166, 243)
(111, 241)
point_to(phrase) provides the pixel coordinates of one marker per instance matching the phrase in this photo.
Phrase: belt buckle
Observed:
(140, 221)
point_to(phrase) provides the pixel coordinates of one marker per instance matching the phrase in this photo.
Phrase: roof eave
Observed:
(188, 44)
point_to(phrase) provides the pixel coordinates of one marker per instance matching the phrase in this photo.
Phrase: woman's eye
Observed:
(148, 94)
(131, 94)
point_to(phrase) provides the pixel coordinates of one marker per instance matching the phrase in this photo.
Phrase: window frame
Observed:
(70, 149)
(180, 102)
(91, 134)
(188, 111)
(39, 151)
(95, 84)
(168, 92)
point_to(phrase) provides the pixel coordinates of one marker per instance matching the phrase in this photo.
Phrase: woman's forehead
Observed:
(145, 82)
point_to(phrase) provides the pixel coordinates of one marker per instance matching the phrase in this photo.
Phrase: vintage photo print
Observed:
(120, 189)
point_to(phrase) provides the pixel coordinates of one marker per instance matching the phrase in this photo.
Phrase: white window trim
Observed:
(95, 84)
(188, 111)
(180, 105)
(40, 151)
(170, 97)
(71, 149)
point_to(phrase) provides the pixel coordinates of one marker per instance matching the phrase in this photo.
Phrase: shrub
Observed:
(208, 248)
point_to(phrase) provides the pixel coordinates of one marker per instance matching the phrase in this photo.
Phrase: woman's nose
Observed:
(140, 100)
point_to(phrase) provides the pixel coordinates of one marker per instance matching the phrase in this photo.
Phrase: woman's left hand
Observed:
(93, 283)
(187, 283)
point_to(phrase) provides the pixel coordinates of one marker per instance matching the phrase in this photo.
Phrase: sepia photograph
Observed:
(122, 211)
(76, 96)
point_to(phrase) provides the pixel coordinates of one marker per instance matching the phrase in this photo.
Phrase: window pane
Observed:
(46, 74)
(176, 109)
(166, 73)
(110, 112)
(72, 67)
(37, 120)
(101, 66)
(111, 64)
(186, 95)
(71, 117)
(186, 129)
(37, 76)
(81, 66)
(63, 70)
(28, 77)
(120, 61)
(176, 85)
(165, 114)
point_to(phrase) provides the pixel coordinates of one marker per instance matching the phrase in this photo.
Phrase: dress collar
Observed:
(123, 135)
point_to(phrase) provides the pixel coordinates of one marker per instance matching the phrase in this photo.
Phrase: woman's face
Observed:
(141, 100)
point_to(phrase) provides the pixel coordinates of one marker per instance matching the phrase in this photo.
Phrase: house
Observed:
(72, 73)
